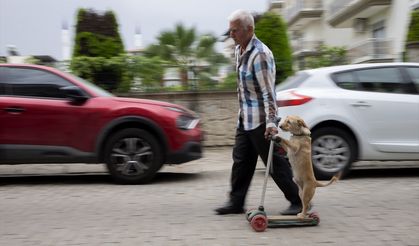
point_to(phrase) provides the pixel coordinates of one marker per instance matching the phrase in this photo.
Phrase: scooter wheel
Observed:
(253, 212)
(315, 217)
(259, 223)
(250, 213)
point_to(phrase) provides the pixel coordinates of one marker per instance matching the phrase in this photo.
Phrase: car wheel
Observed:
(333, 151)
(133, 156)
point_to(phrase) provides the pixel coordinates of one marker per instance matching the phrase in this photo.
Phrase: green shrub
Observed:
(328, 56)
(272, 30)
(112, 74)
(230, 82)
(98, 50)
(413, 33)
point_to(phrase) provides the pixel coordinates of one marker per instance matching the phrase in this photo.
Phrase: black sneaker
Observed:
(229, 208)
(293, 209)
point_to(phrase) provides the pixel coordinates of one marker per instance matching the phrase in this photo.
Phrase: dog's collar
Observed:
(300, 135)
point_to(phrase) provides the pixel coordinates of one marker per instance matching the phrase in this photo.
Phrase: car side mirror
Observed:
(74, 93)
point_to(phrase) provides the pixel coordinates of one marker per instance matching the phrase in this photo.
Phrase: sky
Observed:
(34, 26)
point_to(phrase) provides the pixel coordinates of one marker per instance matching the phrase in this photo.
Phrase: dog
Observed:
(298, 148)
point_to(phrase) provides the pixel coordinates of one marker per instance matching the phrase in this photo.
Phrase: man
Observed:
(255, 68)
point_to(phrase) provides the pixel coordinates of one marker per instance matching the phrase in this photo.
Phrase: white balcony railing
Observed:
(276, 3)
(371, 49)
(343, 10)
(302, 46)
(301, 5)
(338, 5)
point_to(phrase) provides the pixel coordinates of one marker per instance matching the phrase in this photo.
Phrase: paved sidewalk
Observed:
(77, 205)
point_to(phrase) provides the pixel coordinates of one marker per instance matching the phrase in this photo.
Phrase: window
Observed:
(345, 80)
(32, 83)
(2, 86)
(414, 75)
(293, 81)
(387, 80)
(379, 30)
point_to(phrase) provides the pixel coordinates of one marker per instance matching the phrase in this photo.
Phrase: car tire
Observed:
(333, 151)
(133, 156)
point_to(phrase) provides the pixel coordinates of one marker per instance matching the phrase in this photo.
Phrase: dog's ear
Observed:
(302, 123)
(304, 127)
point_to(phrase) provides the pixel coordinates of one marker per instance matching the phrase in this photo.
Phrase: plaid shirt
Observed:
(255, 84)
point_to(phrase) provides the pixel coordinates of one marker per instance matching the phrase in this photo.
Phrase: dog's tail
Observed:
(331, 181)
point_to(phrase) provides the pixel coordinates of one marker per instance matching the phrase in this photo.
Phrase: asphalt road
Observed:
(377, 204)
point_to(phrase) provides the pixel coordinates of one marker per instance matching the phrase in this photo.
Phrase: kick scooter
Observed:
(258, 218)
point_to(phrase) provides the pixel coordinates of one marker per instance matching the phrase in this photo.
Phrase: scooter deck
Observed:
(291, 220)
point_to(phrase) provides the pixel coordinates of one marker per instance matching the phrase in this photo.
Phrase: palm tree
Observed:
(183, 48)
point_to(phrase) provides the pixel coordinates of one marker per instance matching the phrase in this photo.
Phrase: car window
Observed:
(387, 79)
(32, 83)
(414, 75)
(2, 86)
(346, 80)
(293, 81)
(96, 89)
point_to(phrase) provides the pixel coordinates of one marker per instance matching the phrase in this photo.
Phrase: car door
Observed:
(386, 106)
(34, 112)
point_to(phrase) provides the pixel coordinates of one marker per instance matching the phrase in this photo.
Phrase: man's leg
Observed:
(280, 169)
(244, 164)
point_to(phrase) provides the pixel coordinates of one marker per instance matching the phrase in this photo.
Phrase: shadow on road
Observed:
(55, 179)
(168, 177)
(87, 178)
(383, 173)
(174, 177)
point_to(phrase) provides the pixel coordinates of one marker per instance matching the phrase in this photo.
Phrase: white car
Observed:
(355, 113)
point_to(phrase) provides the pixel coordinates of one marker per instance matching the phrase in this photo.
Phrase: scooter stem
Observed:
(268, 167)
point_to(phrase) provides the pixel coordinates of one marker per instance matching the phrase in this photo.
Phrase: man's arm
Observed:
(264, 68)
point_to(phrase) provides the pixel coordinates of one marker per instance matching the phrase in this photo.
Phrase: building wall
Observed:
(398, 23)
(395, 17)
(17, 59)
(335, 36)
(217, 110)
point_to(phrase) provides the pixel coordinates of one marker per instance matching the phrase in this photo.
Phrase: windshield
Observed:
(293, 81)
(96, 89)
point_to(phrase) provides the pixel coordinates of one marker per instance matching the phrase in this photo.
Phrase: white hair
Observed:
(245, 18)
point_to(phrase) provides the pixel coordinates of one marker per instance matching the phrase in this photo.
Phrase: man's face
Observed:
(239, 33)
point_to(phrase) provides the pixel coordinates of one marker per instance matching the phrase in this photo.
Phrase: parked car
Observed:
(356, 113)
(49, 116)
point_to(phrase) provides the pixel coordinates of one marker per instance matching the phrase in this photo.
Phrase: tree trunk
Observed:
(184, 77)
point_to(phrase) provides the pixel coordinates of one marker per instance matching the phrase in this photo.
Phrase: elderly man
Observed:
(255, 68)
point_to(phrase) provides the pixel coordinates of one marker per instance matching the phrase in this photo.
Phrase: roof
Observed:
(45, 58)
(355, 66)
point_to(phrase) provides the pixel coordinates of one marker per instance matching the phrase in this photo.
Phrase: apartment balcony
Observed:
(372, 50)
(276, 4)
(342, 13)
(303, 12)
(304, 48)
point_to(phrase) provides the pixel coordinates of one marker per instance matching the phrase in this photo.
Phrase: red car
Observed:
(49, 116)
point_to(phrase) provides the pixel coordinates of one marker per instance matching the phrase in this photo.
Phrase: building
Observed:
(65, 42)
(138, 43)
(370, 30)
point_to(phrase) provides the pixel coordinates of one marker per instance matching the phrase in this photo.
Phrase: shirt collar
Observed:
(249, 45)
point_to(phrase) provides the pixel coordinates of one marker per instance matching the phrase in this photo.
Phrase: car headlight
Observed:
(175, 109)
(186, 120)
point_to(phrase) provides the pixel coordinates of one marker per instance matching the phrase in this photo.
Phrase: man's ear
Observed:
(250, 29)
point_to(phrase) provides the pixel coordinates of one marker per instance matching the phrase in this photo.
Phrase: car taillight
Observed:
(291, 99)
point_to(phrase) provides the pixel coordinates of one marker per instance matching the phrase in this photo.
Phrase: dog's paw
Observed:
(276, 138)
(300, 216)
